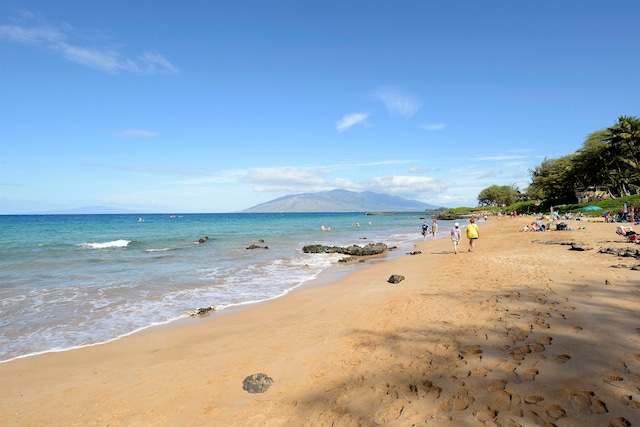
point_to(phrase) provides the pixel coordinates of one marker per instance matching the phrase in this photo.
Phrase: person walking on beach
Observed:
(434, 229)
(455, 237)
(425, 229)
(472, 233)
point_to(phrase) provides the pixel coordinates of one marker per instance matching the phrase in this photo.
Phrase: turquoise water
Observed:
(68, 281)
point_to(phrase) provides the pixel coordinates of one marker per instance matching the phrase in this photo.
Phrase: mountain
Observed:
(340, 201)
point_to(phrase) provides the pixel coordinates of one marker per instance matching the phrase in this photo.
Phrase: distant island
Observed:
(340, 201)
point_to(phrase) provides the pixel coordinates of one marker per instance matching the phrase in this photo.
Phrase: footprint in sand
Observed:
(556, 412)
(530, 374)
(486, 414)
(620, 422)
(587, 403)
(533, 400)
(576, 329)
(497, 385)
(536, 347)
(545, 340)
(562, 358)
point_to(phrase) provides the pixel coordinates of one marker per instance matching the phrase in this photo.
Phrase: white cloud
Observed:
(30, 36)
(434, 126)
(398, 102)
(105, 60)
(349, 120)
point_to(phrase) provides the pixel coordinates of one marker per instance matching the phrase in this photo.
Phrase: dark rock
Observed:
(353, 250)
(202, 311)
(257, 247)
(580, 247)
(621, 252)
(554, 242)
(414, 253)
(257, 383)
(395, 279)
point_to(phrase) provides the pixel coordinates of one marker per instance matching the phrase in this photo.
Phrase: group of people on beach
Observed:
(471, 230)
(434, 230)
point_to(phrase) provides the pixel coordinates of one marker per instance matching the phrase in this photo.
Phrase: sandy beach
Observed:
(525, 331)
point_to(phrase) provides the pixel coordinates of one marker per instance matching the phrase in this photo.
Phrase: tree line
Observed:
(607, 166)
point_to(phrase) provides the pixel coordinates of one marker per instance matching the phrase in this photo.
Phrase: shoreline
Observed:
(332, 274)
(504, 333)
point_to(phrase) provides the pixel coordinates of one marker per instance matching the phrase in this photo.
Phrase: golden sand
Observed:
(514, 334)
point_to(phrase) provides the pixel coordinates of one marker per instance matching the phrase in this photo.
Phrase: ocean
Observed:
(68, 281)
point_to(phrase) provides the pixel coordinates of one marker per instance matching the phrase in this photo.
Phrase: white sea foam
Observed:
(121, 243)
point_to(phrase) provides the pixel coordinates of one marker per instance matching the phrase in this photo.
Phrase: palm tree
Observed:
(625, 138)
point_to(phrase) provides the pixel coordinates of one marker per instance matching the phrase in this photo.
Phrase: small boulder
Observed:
(395, 279)
(257, 383)
(202, 311)
(257, 247)
(580, 247)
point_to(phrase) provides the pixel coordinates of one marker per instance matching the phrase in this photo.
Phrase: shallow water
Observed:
(74, 280)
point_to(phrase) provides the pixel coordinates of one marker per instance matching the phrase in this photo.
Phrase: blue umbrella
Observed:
(591, 208)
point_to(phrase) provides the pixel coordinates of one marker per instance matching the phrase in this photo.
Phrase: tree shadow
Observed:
(522, 357)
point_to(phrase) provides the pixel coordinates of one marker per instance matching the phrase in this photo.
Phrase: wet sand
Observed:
(518, 333)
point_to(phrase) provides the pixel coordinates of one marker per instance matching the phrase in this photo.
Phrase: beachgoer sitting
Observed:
(625, 231)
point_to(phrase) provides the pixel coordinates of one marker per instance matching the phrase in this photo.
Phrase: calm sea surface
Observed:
(68, 281)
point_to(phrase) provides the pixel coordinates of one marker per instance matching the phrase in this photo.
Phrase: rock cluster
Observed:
(621, 252)
(353, 250)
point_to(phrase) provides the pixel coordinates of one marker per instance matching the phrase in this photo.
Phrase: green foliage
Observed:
(553, 178)
(499, 195)
(609, 159)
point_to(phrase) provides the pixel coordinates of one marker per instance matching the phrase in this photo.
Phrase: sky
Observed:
(217, 106)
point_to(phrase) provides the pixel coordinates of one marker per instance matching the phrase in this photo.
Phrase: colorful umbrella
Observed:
(591, 208)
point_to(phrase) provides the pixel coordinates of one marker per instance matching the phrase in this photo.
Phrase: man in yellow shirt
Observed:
(472, 233)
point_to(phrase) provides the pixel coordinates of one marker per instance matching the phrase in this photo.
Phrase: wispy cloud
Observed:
(406, 186)
(106, 60)
(397, 101)
(421, 170)
(349, 120)
(434, 126)
(135, 133)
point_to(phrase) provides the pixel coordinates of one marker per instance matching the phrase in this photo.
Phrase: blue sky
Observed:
(210, 106)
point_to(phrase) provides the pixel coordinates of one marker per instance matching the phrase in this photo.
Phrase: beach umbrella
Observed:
(592, 208)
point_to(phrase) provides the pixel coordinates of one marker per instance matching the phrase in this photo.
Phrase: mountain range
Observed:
(340, 201)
